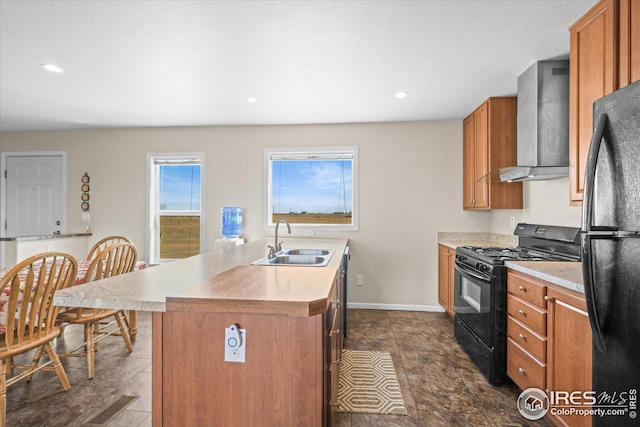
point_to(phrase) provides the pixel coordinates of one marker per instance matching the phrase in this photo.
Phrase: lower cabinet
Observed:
(446, 271)
(569, 349)
(333, 341)
(548, 340)
(289, 378)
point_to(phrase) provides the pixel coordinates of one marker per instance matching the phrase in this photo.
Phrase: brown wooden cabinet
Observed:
(489, 143)
(604, 56)
(446, 271)
(290, 376)
(569, 355)
(526, 331)
(334, 338)
(548, 340)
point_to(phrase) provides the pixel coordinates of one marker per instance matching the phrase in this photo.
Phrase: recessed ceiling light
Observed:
(401, 95)
(251, 100)
(52, 68)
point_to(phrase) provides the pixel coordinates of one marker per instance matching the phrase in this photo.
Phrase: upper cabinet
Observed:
(604, 56)
(489, 144)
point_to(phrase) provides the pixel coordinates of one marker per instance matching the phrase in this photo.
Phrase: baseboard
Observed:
(403, 307)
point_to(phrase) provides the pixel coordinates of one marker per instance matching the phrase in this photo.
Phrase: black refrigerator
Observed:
(611, 254)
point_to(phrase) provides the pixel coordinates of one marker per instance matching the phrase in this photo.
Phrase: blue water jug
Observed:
(231, 222)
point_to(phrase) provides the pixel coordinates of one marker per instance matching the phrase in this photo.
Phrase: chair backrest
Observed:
(107, 241)
(30, 313)
(113, 260)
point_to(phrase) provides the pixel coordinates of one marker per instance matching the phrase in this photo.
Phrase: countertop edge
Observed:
(565, 274)
(44, 237)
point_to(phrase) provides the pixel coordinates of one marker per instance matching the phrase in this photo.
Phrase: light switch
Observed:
(85, 216)
(235, 344)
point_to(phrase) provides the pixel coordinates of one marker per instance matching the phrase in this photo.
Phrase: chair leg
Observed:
(57, 366)
(3, 392)
(36, 361)
(133, 324)
(9, 367)
(123, 331)
(88, 338)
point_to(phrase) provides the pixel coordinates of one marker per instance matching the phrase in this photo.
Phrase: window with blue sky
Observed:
(313, 187)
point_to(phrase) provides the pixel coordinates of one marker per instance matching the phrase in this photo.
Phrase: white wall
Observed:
(545, 202)
(410, 180)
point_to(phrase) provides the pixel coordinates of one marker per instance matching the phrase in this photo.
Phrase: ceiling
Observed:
(194, 63)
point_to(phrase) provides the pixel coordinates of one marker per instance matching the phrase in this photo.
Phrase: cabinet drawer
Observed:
(529, 315)
(525, 370)
(527, 290)
(527, 339)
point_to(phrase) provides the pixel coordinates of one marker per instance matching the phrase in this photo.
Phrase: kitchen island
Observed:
(291, 318)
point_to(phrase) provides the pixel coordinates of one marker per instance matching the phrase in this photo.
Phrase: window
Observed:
(315, 187)
(176, 212)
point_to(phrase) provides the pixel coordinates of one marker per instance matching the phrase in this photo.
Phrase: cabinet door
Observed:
(445, 290)
(569, 353)
(593, 69)
(452, 271)
(468, 162)
(629, 25)
(481, 122)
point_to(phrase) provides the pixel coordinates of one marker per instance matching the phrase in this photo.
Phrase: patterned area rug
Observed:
(368, 384)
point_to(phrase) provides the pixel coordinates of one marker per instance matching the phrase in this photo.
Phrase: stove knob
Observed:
(478, 266)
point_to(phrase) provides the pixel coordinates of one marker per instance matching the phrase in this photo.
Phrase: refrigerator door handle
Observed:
(590, 294)
(590, 172)
(587, 226)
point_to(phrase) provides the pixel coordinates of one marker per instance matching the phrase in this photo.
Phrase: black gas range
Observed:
(480, 290)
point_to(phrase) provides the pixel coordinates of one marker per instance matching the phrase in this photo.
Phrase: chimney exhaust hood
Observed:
(543, 123)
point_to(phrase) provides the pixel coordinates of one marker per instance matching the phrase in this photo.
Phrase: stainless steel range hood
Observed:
(543, 123)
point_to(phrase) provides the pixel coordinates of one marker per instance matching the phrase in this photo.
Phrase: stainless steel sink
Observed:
(298, 257)
(321, 252)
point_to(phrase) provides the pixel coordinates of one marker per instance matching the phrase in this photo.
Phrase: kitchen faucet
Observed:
(277, 247)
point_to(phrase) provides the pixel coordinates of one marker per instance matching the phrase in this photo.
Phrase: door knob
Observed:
(57, 222)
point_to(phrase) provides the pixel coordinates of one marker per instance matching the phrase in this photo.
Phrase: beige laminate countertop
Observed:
(221, 281)
(566, 274)
(455, 239)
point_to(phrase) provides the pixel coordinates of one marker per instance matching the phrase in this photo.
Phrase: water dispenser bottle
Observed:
(231, 222)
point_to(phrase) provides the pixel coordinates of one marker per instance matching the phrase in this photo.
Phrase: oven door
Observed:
(473, 301)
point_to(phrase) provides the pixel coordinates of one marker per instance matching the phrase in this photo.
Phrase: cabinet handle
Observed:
(522, 371)
(336, 404)
(336, 332)
(521, 336)
(547, 299)
(522, 289)
(521, 313)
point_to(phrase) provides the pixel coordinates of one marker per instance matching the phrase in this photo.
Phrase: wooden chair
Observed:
(132, 319)
(30, 316)
(112, 261)
(107, 241)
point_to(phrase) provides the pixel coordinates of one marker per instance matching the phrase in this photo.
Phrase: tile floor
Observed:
(440, 385)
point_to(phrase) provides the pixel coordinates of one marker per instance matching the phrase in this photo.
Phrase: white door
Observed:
(34, 195)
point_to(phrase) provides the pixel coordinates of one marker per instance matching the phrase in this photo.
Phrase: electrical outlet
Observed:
(512, 221)
(359, 280)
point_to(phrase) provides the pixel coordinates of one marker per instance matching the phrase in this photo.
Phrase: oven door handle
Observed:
(464, 270)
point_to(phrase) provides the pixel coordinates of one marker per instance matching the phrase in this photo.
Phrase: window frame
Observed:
(153, 201)
(302, 152)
